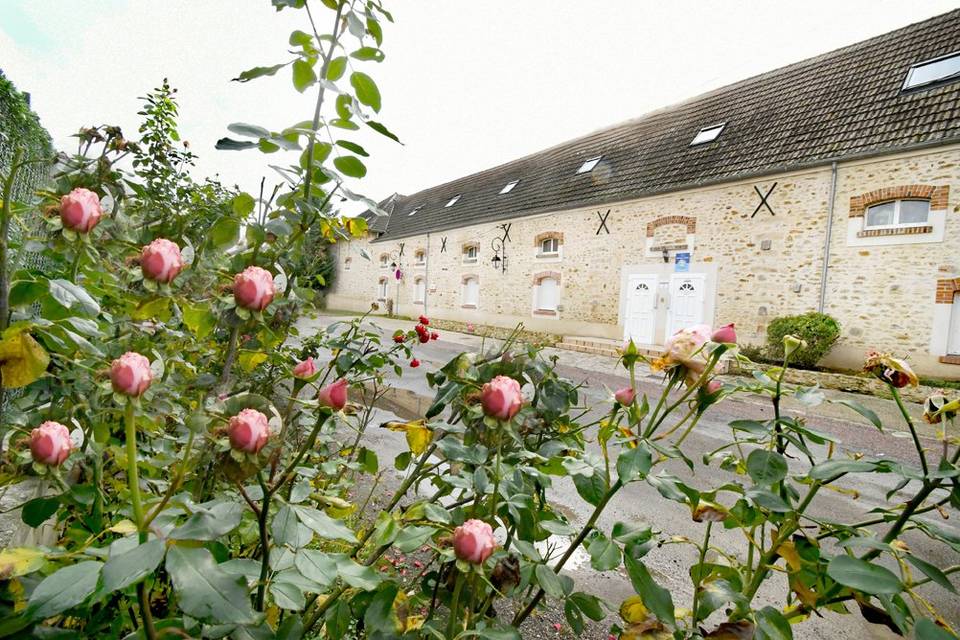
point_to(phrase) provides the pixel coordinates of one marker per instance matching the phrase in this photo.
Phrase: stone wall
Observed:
(760, 265)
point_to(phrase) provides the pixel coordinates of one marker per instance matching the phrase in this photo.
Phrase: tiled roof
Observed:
(377, 222)
(840, 104)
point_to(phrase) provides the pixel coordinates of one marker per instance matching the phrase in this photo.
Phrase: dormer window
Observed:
(708, 134)
(589, 164)
(507, 188)
(933, 72)
(415, 209)
(453, 201)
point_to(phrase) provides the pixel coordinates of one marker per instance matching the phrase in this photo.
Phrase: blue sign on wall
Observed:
(681, 262)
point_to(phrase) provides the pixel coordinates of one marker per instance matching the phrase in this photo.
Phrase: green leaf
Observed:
(590, 605)
(549, 581)
(932, 572)
(323, 525)
(336, 68)
(366, 90)
(927, 629)
(771, 625)
(831, 468)
(258, 72)
(863, 576)
(243, 205)
(199, 319)
(210, 524)
(350, 166)
(130, 567)
(225, 232)
(284, 526)
(766, 499)
(382, 130)
(867, 413)
(249, 130)
(303, 75)
(287, 595)
(321, 150)
(25, 292)
(766, 467)
(633, 464)
(204, 590)
(356, 575)
(72, 296)
(64, 589)
(317, 566)
(300, 38)
(656, 598)
(345, 106)
(411, 538)
(352, 146)
(229, 144)
(379, 618)
(368, 53)
(35, 512)
(604, 554)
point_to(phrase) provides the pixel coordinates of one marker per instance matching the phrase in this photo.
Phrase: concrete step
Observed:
(587, 348)
(603, 346)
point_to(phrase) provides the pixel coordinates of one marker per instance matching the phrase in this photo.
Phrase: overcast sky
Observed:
(466, 85)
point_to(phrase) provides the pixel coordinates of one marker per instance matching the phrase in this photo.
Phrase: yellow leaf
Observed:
(22, 360)
(249, 360)
(123, 527)
(158, 308)
(418, 434)
(19, 561)
(633, 611)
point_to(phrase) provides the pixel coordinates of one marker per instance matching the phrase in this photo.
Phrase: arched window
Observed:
(471, 251)
(897, 213)
(419, 257)
(471, 292)
(347, 263)
(419, 290)
(384, 260)
(549, 244)
(382, 289)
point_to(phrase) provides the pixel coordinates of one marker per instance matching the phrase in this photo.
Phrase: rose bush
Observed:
(224, 483)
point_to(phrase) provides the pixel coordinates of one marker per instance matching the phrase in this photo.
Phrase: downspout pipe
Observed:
(828, 237)
(426, 279)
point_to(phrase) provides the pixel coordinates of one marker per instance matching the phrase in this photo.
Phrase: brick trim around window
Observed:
(689, 221)
(937, 195)
(546, 235)
(946, 289)
(894, 231)
(537, 277)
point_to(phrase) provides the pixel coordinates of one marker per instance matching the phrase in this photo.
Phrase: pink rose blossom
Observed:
(248, 431)
(713, 386)
(253, 288)
(50, 443)
(473, 541)
(334, 395)
(131, 374)
(501, 398)
(161, 261)
(80, 210)
(726, 334)
(625, 396)
(305, 369)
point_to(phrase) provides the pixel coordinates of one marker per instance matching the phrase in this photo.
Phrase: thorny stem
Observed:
(913, 430)
(696, 583)
(264, 542)
(133, 479)
(229, 358)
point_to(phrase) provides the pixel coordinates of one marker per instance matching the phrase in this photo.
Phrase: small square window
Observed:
(588, 166)
(419, 257)
(509, 187)
(708, 134)
(932, 72)
(415, 210)
(550, 247)
(470, 254)
(453, 201)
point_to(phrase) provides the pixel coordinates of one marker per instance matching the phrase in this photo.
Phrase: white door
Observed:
(640, 316)
(953, 342)
(686, 301)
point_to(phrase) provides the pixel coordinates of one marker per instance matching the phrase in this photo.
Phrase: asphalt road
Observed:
(639, 502)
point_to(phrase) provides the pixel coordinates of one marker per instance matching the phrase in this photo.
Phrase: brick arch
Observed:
(937, 195)
(467, 276)
(548, 235)
(470, 243)
(947, 289)
(381, 261)
(383, 279)
(537, 277)
(689, 221)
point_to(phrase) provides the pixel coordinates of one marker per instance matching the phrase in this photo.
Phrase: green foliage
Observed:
(819, 330)
(19, 126)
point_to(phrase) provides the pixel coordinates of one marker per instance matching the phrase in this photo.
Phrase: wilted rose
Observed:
(130, 374)
(161, 261)
(473, 541)
(501, 398)
(253, 288)
(50, 443)
(894, 371)
(249, 431)
(80, 210)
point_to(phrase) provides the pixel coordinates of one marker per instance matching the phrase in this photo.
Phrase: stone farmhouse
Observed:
(832, 184)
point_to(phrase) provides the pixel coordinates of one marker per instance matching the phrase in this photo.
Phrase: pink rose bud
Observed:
(50, 443)
(501, 398)
(713, 386)
(305, 369)
(334, 395)
(161, 261)
(131, 374)
(253, 288)
(725, 334)
(473, 541)
(625, 396)
(80, 210)
(248, 431)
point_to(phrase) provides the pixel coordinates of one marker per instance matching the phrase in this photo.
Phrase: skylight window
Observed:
(509, 186)
(453, 201)
(588, 166)
(415, 210)
(708, 134)
(931, 72)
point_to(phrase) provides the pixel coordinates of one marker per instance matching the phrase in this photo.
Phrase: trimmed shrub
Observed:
(819, 330)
